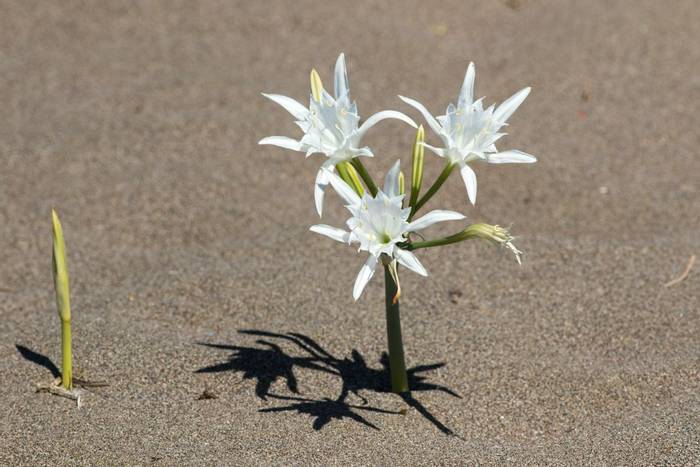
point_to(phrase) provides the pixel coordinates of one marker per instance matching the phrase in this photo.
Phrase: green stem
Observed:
(433, 189)
(441, 241)
(366, 177)
(397, 362)
(492, 233)
(67, 366)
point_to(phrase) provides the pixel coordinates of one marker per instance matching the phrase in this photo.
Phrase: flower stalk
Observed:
(62, 288)
(397, 361)
(444, 175)
(493, 233)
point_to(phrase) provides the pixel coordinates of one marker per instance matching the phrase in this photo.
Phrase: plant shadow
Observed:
(268, 363)
(39, 359)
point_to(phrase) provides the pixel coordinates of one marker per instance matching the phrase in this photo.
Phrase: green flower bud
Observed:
(417, 167)
(349, 175)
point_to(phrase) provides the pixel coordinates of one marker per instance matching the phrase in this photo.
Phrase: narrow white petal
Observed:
(438, 215)
(290, 105)
(391, 181)
(282, 141)
(321, 184)
(378, 117)
(434, 125)
(342, 188)
(362, 152)
(320, 191)
(466, 95)
(506, 109)
(335, 233)
(469, 178)
(511, 157)
(340, 77)
(439, 151)
(408, 259)
(363, 277)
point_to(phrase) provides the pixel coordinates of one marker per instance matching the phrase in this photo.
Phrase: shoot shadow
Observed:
(268, 362)
(39, 359)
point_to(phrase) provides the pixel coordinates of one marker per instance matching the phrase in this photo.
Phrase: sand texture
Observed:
(227, 331)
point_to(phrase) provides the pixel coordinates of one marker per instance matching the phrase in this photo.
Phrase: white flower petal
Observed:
(292, 106)
(340, 78)
(282, 141)
(438, 215)
(511, 157)
(322, 181)
(343, 189)
(391, 181)
(363, 277)
(466, 94)
(408, 259)
(469, 178)
(378, 117)
(335, 233)
(506, 109)
(439, 151)
(434, 125)
(362, 152)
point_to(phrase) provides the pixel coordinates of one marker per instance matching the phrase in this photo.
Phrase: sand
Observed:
(194, 271)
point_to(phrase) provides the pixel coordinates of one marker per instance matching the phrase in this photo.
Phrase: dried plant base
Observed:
(55, 388)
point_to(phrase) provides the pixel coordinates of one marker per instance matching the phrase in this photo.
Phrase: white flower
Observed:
(330, 126)
(378, 224)
(469, 132)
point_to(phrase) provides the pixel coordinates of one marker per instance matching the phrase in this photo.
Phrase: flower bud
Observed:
(349, 175)
(495, 234)
(355, 179)
(417, 167)
(316, 85)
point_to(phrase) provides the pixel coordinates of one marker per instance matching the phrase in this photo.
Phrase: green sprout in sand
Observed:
(62, 288)
(382, 220)
(62, 386)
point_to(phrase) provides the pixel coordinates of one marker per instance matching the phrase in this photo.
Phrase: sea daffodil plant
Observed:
(381, 221)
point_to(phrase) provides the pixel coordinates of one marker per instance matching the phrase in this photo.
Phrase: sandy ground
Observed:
(140, 123)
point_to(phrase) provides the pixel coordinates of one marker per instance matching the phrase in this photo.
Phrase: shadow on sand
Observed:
(268, 363)
(39, 359)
